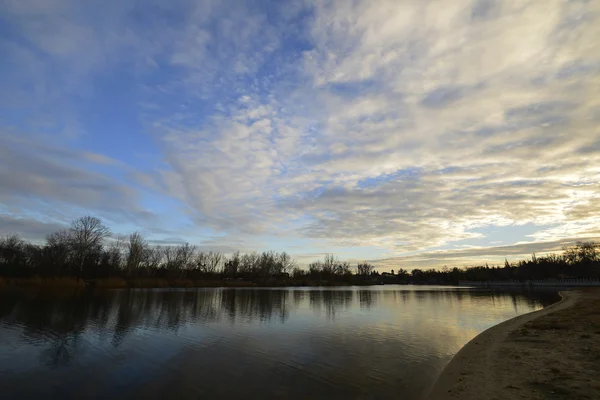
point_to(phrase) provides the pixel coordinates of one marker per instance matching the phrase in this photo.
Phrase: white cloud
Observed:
(395, 125)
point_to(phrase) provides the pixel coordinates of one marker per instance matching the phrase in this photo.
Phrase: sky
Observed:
(408, 133)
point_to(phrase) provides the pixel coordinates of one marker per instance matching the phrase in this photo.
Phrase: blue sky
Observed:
(407, 133)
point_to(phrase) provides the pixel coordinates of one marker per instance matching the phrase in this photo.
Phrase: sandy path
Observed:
(538, 355)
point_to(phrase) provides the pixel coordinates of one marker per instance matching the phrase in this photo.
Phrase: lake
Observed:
(387, 341)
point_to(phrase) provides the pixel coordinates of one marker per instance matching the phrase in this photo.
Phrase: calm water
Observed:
(342, 343)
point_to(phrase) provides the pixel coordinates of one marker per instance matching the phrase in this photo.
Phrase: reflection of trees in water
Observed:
(331, 301)
(299, 297)
(248, 305)
(60, 320)
(518, 298)
(366, 297)
(50, 318)
(61, 350)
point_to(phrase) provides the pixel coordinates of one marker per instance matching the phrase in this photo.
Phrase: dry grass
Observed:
(239, 284)
(110, 283)
(148, 283)
(181, 283)
(63, 283)
(36, 281)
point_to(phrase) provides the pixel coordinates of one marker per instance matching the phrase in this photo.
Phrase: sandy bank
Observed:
(553, 353)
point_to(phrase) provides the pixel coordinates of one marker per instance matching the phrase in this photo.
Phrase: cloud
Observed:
(476, 255)
(27, 228)
(396, 127)
(37, 177)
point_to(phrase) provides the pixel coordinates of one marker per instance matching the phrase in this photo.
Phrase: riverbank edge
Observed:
(159, 283)
(474, 355)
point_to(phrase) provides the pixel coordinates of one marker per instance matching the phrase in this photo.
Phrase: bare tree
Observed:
(315, 269)
(232, 265)
(87, 234)
(250, 263)
(115, 251)
(329, 264)
(136, 252)
(364, 269)
(267, 263)
(214, 260)
(287, 263)
(57, 252)
(343, 268)
(298, 273)
(154, 258)
(11, 247)
(201, 261)
(179, 258)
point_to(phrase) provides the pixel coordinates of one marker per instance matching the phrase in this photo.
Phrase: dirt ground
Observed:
(550, 354)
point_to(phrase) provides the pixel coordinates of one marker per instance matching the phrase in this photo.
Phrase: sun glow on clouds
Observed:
(398, 131)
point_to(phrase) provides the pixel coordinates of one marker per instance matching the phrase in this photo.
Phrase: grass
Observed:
(58, 282)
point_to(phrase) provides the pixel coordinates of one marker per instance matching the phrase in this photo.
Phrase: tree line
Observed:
(580, 261)
(86, 250)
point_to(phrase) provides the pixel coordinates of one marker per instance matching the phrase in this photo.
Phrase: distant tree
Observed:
(87, 234)
(12, 256)
(582, 252)
(402, 273)
(137, 251)
(287, 262)
(417, 274)
(343, 269)
(81, 251)
(184, 256)
(57, 252)
(115, 254)
(11, 247)
(249, 265)
(154, 258)
(232, 265)
(298, 273)
(213, 262)
(315, 269)
(364, 269)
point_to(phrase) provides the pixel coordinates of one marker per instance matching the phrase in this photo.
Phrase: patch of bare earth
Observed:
(556, 356)
(550, 354)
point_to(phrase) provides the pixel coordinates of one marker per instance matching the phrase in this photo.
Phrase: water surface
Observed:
(340, 343)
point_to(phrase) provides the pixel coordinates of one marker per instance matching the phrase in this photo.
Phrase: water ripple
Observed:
(269, 343)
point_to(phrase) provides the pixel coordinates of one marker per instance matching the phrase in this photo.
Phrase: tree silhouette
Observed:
(87, 234)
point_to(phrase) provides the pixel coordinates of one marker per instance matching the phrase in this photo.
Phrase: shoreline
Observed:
(533, 356)
(161, 283)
